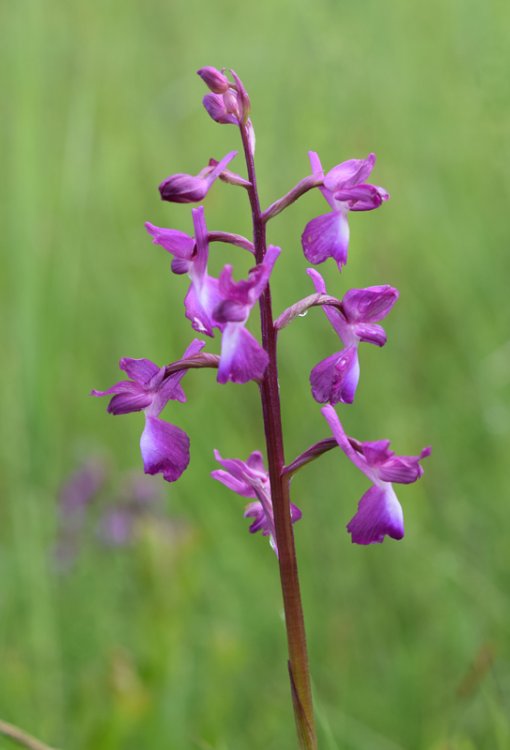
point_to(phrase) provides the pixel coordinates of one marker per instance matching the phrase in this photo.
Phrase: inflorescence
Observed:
(224, 305)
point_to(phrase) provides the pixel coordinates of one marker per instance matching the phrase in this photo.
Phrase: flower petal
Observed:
(369, 305)
(216, 109)
(128, 397)
(360, 197)
(349, 173)
(379, 515)
(171, 389)
(242, 357)
(173, 241)
(199, 304)
(327, 236)
(335, 379)
(357, 458)
(240, 487)
(165, 449)
(141, 370)
(370, 333)
(242, 470)
(256, 511)
(403, 469)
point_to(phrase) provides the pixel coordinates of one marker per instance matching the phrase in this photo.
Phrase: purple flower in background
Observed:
(186, 188)
(335, 378)
(164, 447)
(250, 479)
(345, 190)
(242, 357)
(136, 500)
(191, 257)
(379, 511)
(75, 496)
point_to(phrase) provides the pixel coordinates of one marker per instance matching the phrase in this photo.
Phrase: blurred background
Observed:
(164, 629)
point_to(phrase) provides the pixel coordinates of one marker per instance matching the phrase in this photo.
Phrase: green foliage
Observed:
(179, 643)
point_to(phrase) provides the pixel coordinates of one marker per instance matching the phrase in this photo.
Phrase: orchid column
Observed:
(224, 305)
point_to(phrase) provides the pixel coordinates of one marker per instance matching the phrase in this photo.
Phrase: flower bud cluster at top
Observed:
(222, 304)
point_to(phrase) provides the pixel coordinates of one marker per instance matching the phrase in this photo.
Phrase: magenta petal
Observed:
(327, 236)
(202, 253)
(370, 333)
(256, 463)
(318, 281)
(369, 305)
(142, 370)
(251, 471)
(199, 304)
(242, 357)
(171, 389)
(343, 441)
(216, 109)
(165, 449)
(128, 397)
(256, 511)
(180, 266)
(127, 402)
(349, 173)
(335, 379)
(360, 197)
(230, 311)
(376, 452)
(403, 469)
(172, 240)
(240, 487)
(379, 515)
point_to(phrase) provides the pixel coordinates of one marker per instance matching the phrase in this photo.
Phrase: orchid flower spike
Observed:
(335, 379)
(345, 190)
(164, 447)
(187, 188)
(250, 479)
(379, 511)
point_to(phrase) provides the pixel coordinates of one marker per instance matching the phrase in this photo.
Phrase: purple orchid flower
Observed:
(345, 190)
(164, 447)
(250, 479)
(335, 379)
(379, 511)
(242, 357)
(191, 257)
(187, 188)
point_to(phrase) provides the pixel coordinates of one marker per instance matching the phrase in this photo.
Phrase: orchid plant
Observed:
(223, 306)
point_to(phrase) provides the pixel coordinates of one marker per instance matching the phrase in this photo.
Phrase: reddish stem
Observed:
(270, 397)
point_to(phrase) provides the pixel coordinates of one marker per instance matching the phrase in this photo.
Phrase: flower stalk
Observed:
(271, 411)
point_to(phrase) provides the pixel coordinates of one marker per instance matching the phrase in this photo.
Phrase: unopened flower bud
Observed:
(215, 106)
(214, 79)
(187, 188)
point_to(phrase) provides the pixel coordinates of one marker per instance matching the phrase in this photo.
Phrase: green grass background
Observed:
(177, 644)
